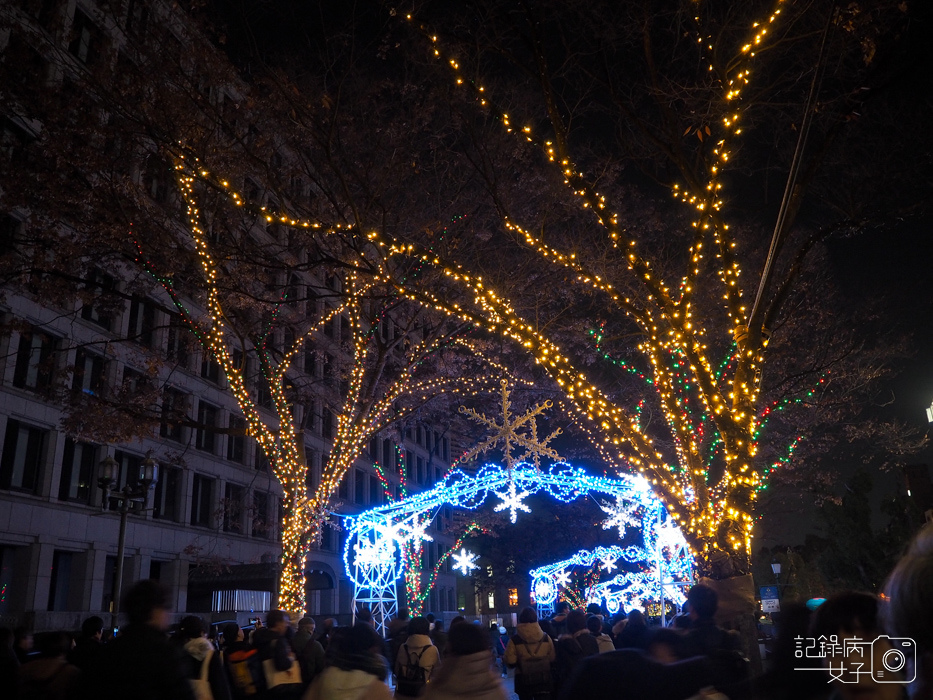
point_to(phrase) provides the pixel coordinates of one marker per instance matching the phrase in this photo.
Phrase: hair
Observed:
(274, 617)
(92, 626)
(563, 606)
(438, 625)
(909, 592)
(54, 644)
(528, 615)
(430, 617)
(460, 619)
(594, 624)
(365, 615)
(306, 621)
(703, 601)
(464, 640)
(576, 621)
(362, 638)
(594, 609)
(847, 612)
(547, 628)
(143, 599)
(668, 637)
(231, 632)
(403, 614)
(635, 618)
(191, 627)
(418, 625)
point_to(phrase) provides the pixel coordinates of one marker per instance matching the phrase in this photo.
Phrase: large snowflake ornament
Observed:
(562, 578)
(511, 433)
(465, 562)
(417, 531)
(512, 500)
(608, 564)
(621, 515)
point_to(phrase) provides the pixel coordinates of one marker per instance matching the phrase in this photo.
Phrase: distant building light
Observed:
(930, 413)
(908, 492)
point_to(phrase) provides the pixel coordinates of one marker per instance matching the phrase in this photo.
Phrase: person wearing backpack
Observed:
(416, 660)
(241, 662)
(467, 673)
(531, 652)
(201, 662)
(573, 647)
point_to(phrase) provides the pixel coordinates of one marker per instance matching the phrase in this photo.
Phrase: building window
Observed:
(343, 490)
(491, 601)
(23, 450)
(86, 39)
(375, 490)
(233, 508)
(35, 361)
(178, 341)
(359, 486)
(327, 424)
(174, 413)
(419, 474)
(77, 471)
(513, 597)
(262, 518)
(262, 460)
(89, 373)
(207, 422)
(98, 284)
(201, 500)
(167, 495)
(142, 322)
(312, 479)
(236, 441)
(61, 579)
(210, 369)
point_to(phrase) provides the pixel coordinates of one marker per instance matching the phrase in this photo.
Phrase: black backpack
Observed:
(413, 676)
(245, 673)
(534, 676)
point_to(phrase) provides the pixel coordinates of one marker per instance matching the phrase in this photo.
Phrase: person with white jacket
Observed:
(355, 669)
(416, 661)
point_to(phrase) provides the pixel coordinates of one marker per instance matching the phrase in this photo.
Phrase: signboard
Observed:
(770, 605)
(769, 592)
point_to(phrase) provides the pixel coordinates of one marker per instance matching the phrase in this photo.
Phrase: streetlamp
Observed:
(776, 568)
(132, 498)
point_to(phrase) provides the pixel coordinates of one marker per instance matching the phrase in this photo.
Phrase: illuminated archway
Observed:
(373, 553)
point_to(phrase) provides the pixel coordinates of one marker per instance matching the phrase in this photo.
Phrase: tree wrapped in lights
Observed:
(672, 294)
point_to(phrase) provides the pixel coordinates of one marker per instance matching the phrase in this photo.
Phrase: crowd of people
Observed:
(575, 654)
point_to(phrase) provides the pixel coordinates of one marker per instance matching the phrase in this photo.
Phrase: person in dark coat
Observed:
(573, 647)
(198, 651)
(140, 664)
(635, 633)
(628, 674)
(50, 676)
(242, 664)
(89, 647)
(9, 664)
(280, 667)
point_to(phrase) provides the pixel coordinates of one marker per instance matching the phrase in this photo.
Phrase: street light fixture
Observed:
(776, 568)
(132, 498)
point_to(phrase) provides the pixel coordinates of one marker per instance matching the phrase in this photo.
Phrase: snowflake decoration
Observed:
(509, 433)
(465, 562)
(512, 501)
(369, 555)
(608, 565)
(417, 532)
(621, 515)
(562, 578)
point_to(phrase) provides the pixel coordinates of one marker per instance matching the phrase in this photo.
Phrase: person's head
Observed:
(703, 602)
(146, 603)
(278, 621)
(664, 645)
(464, 640)
(54, 645)
(329, 625)
(547, 628)
(22, 638)
(563, 607)
(430, 618)
(365, 615)
(594, 624)
(636, 618)
(232, 633)
(576, 621)
(191, 627)
(403, 614)
(438, 625)
(594, 609)
(363, 639)
(418, 625)
(306, 624)
(527, 615)
(909, 594)
(92, 628)
(494, 626)
(460, 619)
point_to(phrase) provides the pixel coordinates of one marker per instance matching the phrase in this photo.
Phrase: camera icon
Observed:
(890, 657)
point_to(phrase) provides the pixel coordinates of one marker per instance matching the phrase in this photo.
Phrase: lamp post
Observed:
(132, 498)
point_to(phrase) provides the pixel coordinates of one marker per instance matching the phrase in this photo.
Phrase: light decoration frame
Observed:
(373, 552)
